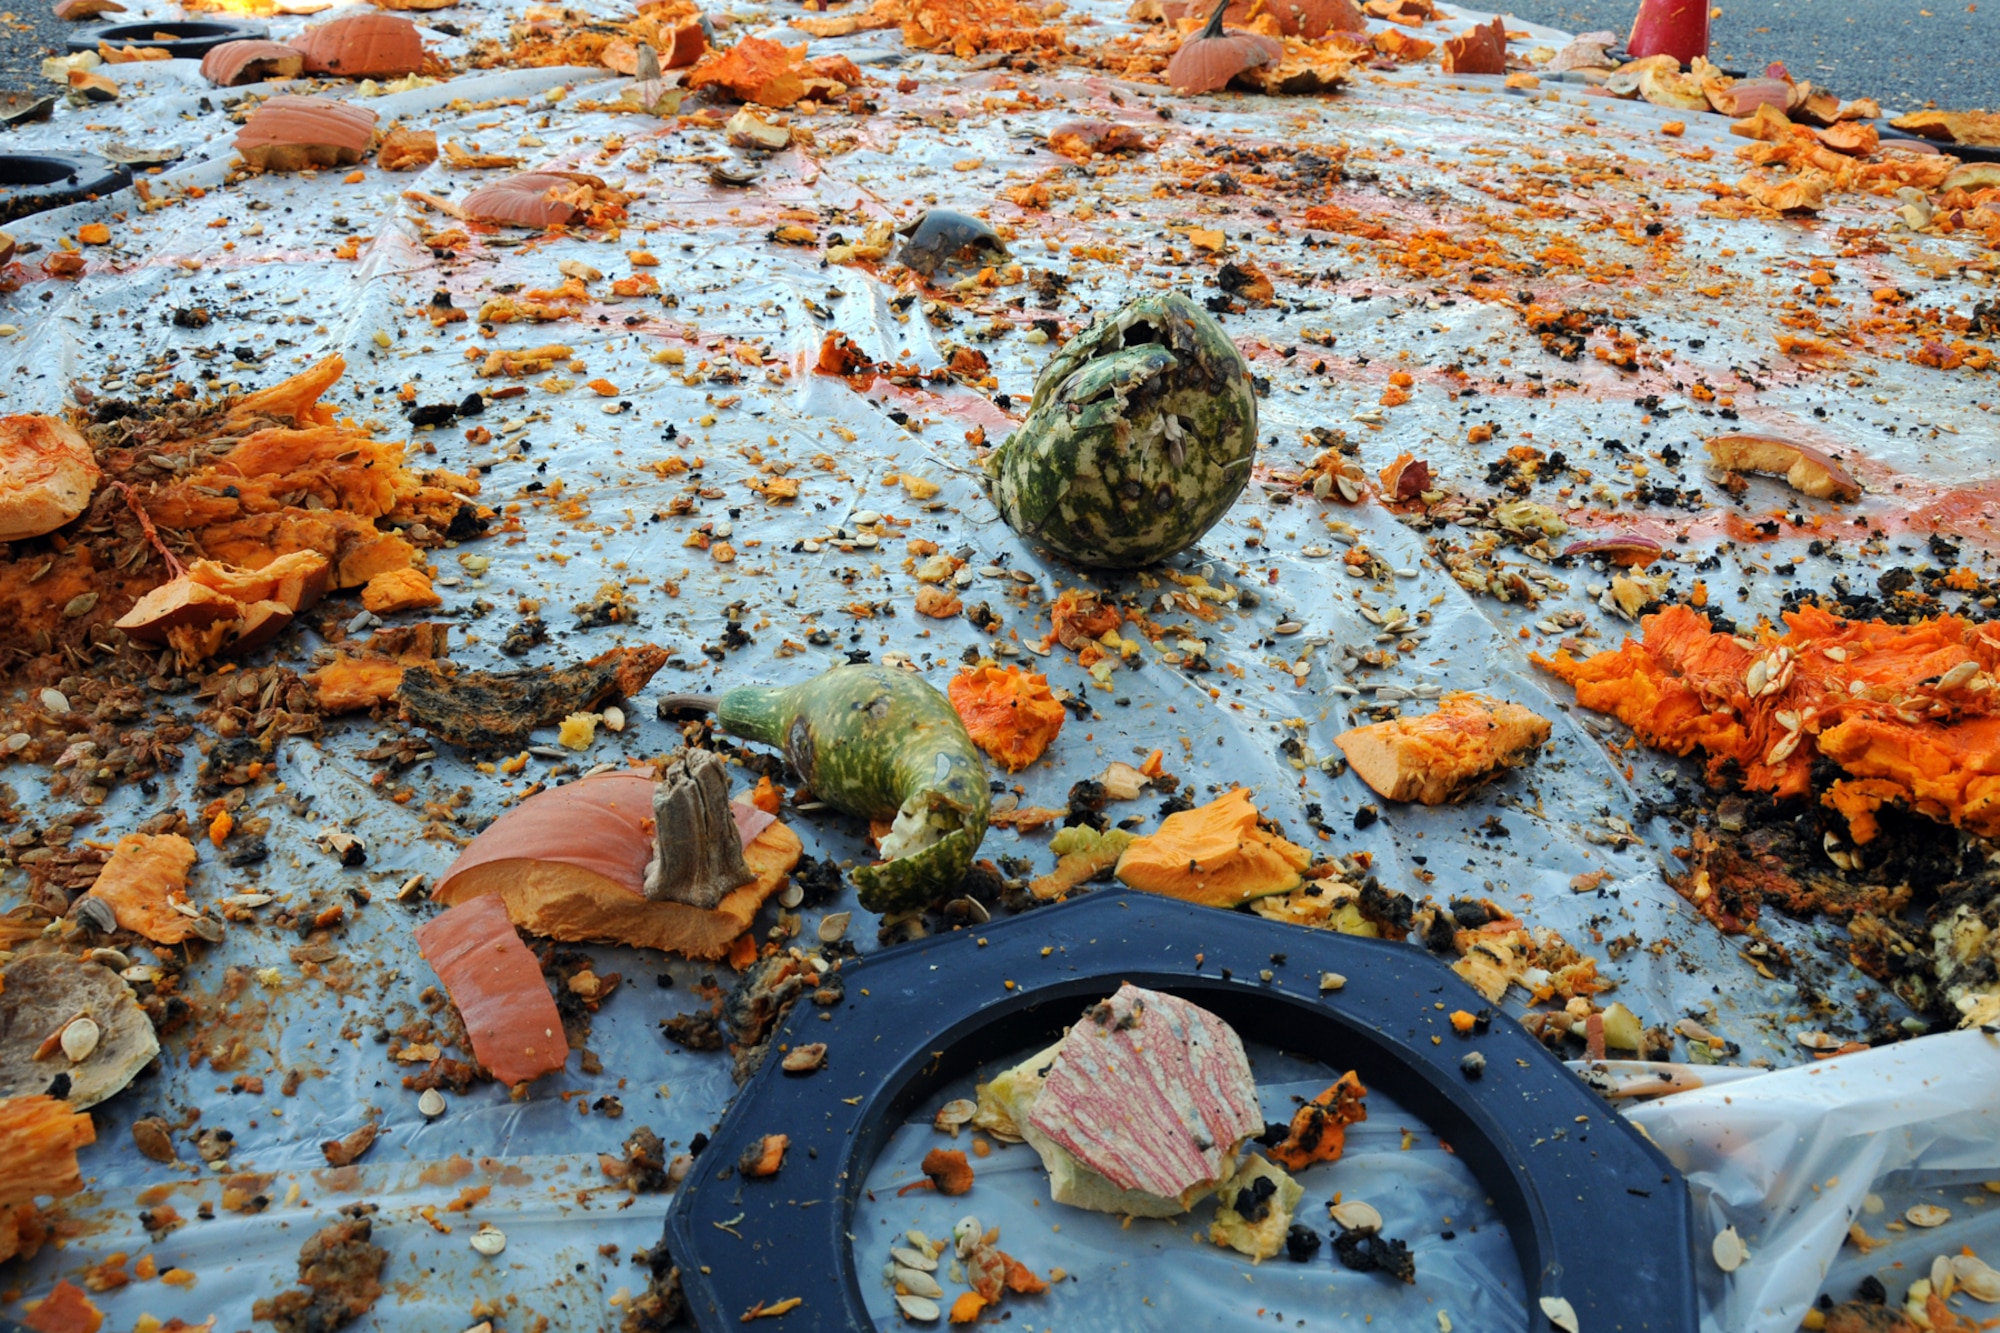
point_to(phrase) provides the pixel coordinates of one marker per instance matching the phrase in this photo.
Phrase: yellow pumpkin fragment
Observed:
(1446, 755)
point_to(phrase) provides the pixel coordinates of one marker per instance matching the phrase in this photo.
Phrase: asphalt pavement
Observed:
(1897, 51)
(1903, 53)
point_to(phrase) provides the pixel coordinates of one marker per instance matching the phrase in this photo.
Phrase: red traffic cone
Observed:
(1677, 28)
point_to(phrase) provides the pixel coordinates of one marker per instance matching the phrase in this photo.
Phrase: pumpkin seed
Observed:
(614, 718)
(1287, 627)
(1835, 652)
(1729, 1250)
(1331, 981)
(208, 928)
(247, 899)
(1783, 749)
(1926, 1215)
(95, 912)
(111, 958)
(1560, 1313)
(489, 1240)
(805, 1059)
(80, 1038)
(55, 701)
(865, 517)
(1975, 1278)
(1355, 1216)
(431, 1104)
(920, 1260)
(954, 1115)
(1957, 677)
(833, 926)
(965, 1235)
(918, 1308)
(1817, 1041)
(1316, 552)
(79, 605)
(916, 1282)
(791, 897)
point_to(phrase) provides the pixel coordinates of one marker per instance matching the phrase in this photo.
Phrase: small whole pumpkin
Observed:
(1212, 57)
(363, 46)
(1139, 438)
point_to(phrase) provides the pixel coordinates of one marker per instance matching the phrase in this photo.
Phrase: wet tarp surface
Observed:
(1447, 204)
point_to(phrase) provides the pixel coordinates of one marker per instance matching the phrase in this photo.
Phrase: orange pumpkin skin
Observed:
(363, 46)
(1008, 712)
(1212, 57)
(252, 61)
(510, 1017)
(289, 133)
(525, 200)
(1215, 855)
(570, 863)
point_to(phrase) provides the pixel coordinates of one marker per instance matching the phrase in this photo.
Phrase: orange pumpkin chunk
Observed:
(1216, 854)
(146, 875)
(1319, 1128)
(1446, 755)
(1009, 712)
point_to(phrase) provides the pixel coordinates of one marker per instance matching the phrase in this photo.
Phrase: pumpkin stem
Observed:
(1214, 26)
(690, 703)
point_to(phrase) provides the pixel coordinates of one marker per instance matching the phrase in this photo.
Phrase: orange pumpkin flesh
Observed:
(570, 863)
(1906, 709)
(1804, 468)
(65, 1310)
(48, 473)
(1008, 712)
(39, 1137)
(1482, 50)
(290, 133)
(510, 1017)
(1443, 756)
(1214, 854)
(146, 875)
(1318, 1131)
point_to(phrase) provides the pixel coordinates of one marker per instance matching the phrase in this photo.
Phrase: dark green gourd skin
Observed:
(867, 739)
(1140, 437)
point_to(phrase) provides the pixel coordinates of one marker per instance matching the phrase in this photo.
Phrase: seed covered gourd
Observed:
(1139, 438)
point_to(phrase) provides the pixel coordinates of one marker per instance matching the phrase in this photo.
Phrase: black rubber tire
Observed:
(193, 38)
(37, 182)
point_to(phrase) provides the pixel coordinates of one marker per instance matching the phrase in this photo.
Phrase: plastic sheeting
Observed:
(1548, 177)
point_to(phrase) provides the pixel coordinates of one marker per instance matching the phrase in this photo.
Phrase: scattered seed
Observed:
(1817, 1041)
(1560, 1313)
(614, 718)
(96, 912)
(431, 1104)
(79, 605)
(918, 1308)
(111, 958)
(954, 1115)
(833, 926)
(1355, 1216)
(965, 1234)
(920, 1260)
(247, 899)
(1951, 680)
(208, 928)
(80, 1038)
(1287, 627)
(1331, 981)
(489, 1240)
(1729, 1250)
(916, 1282)
(791, 897)
(55, 701)
(1926, 1215)
(1975, 1278)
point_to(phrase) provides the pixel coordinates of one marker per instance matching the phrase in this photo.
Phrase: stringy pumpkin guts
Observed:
(1905, 710)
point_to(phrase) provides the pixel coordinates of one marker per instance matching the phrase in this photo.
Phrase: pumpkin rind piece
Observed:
(1215, 855)
(1139, 438)
(1804, 468)
(233, 64)
(48, 473)
(1444, 756)
(43, 993)
(881, 744)
(570, 863)
(290, 133)
(510, 1017)
(363, 46)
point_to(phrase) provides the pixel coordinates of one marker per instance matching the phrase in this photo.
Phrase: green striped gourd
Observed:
(1139, 438)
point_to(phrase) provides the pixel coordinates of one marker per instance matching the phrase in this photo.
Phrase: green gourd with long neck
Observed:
(879, 743)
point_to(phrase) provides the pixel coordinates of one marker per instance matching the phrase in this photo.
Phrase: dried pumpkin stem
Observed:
(1213, 28)
(174, 567)
(690, 703)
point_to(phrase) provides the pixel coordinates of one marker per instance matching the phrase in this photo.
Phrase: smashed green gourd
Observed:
(880, 743)
(1139, 438)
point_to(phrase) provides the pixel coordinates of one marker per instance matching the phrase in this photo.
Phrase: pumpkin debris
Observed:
(1219, 854)
(1009, 713)
(1444, 756)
